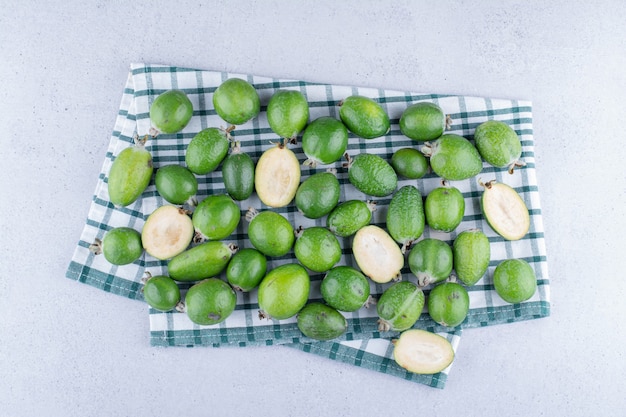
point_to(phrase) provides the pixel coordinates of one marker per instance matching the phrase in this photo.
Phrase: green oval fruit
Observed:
(423, 121)
(405, 216)
(270, 233)
(409, 163)
(130, 174)
(120, 246)
(246, 269)
(364, 117)
(210, 302)
(238, 174)
(505, 211)
(514, 280)
(372, 175)
(277, 176)
(200, 262)
(236, 101)
(376, 253)
(287, 113)
(444, 208)
(321, 322)
(207, 150)
(348, 217)
(471, 253)
(318, 195)
(317, 249)
(171, 111)
(498, 144)
(345, 288)
(430, 260)
(453, 157)
(216, 217)
(161, 293)
(167, 232)
(324, 141)
(176, 184)
(422, 352)
(283, 292)
(448, 304)
(399, 306)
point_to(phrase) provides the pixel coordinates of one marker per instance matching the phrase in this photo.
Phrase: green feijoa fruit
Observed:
(514, 280)
(207, 150)
(345, 288)
(423, 121)
(210, 301)
(371, 174)
(317, 249)
(321, 322)
(448, 304)
(270, 233)
(167, 232)
(348, 217)
(405, 216)
(236, 101)
(399, 306)
(130, 174)
(238, 174)
(409, 163)
(471, 253)
(376, 253)
(171, 111)
(200, 262)
(453, 157)
(498, 144)
(444, 208)
(422, 352)
(216, 217)
(430, 260)
(287, 113)
(161, 293)
(505, 211)
(277, 176)
(120, 246)
(283, 291)
(364, 117)
(324, 141)
(246, 269)
(176, 184)
(318, 194)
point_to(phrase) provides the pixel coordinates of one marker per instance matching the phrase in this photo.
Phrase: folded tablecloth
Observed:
(362, 345)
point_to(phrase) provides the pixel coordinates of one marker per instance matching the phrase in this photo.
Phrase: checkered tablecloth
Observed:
(362, 345)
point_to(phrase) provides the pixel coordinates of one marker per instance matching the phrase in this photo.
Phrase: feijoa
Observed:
(238, 173)
(345, 288)
(448, 304)
(277, 176)
(167, 232)
(318, 194)
(216, 217)
(120, 246)
(371, 174)
(505, 211)
(444, 208)
(453, 157)
(161, 292)
(423, 121)
(205, 260)
(269, 232)
(348, 217)
(317, 249)
(405, 216)
(471, 253)
(130, 174)
(376, 253)
(321, 322)
(210, 301)
(422, 352)
(283, 291)
(246, 269)
(514, 280)
(364, 117)
(171, 111)
(236, 101)
(498, 144)
(207, 150)
(176, 184)
(287, 113)
(324, 141)
(409, 163)
(430, 260)
(399, 306)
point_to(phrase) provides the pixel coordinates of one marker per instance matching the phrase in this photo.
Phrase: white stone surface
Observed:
(67, 349)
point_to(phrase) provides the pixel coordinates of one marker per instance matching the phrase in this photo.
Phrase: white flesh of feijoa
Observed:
(422, 352)
(167, 232)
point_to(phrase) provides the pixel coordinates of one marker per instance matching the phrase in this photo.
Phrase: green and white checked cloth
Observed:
(362, 345)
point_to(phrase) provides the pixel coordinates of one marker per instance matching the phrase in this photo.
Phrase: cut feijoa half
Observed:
(377, 254)
(167, 232)
(277, 176)
(505, 211)
(422, 352)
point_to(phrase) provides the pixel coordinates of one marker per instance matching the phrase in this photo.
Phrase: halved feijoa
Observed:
(324, 141)
(210, 301)
(498, 144)
(376, 253)
(422, 352)
(448, 304)
(287, 113)
(423, 121)
(514, 280)
(167, 232)
(236, 101)
(321, 322)
(505, 211)
(277, 176)
(399, 306)
(345, 288)
(283, 291)
(453, 157)
(364, 117)
(171, 111)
